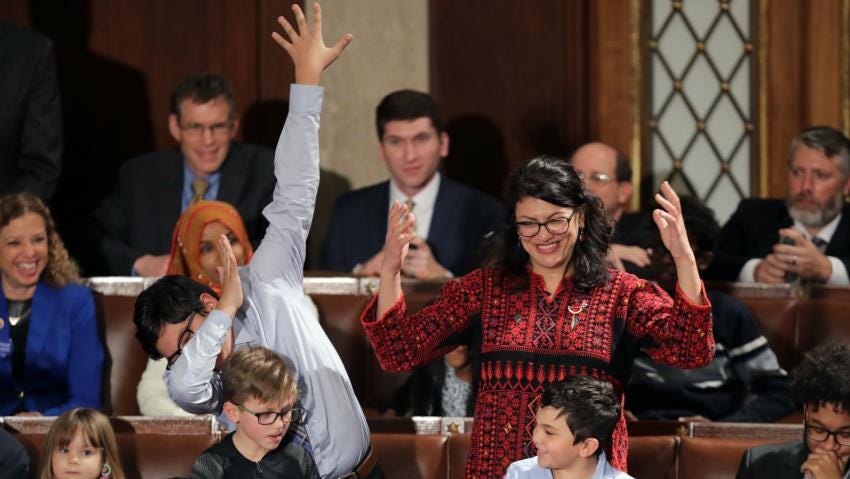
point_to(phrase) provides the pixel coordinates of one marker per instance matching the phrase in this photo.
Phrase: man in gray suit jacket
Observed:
(822, 384)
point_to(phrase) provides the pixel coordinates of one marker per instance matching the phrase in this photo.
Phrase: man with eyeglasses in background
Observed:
(607, 175)
(821, 382)
(133, 226)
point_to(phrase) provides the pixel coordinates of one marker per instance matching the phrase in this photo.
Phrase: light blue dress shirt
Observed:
(277, 313)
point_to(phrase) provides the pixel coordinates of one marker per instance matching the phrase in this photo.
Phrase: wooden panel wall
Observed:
(511, 83)
(803, 83)
(118, 61)
(529, 78)
(514, 79)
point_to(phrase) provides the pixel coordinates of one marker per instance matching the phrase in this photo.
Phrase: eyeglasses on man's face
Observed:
(597, 177)
(197, 130)
(555, 226)
(182, 340)
(287, 414)
(820, 434)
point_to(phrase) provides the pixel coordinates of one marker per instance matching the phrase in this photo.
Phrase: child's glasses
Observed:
(288, 414)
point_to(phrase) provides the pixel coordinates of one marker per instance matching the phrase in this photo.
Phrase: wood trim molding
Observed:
(636, 42)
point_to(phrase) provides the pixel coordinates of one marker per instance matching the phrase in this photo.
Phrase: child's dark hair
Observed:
(823, 376)
(591, 408)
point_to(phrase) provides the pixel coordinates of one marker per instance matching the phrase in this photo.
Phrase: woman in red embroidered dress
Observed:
(550, 308)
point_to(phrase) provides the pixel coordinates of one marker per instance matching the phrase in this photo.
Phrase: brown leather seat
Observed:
(653, 457)
(458, 452)
(713, 458)
(777, 318)
(412, 456)
(125, 359)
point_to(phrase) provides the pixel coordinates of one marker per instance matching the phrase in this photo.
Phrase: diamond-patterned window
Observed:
(701, 97)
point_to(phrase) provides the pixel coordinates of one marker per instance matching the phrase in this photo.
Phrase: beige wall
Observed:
(389, 52)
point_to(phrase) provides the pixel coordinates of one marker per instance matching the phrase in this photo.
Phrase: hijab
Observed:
(186, 241)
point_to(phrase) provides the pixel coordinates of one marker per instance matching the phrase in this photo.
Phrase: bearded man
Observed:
(804, 237)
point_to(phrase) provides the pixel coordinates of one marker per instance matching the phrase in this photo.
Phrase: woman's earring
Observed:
(106, 471)
(581, 234)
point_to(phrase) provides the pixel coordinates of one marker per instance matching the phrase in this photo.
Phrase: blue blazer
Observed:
(64, 360)
(462, 217)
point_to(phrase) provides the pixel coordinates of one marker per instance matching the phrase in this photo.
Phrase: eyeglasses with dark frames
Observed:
(287, 414)
(555, 226)
(183, 339)
(820, 434)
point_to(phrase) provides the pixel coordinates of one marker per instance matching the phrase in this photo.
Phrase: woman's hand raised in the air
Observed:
(401, 231)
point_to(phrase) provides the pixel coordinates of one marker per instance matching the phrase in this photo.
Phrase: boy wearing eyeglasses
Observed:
(821, 382)
(260, 398)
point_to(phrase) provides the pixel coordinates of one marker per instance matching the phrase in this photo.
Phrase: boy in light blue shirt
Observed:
(575, 421)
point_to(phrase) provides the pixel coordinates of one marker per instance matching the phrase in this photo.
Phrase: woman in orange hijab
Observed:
(194, 252)
(193, 247)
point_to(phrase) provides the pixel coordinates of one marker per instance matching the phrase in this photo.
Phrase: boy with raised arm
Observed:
(187, 323)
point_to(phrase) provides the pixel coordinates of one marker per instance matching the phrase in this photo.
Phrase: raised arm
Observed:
(282, 252)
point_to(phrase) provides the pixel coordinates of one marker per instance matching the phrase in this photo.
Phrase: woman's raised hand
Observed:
(671, 224)
(400, 232)
(306, 45)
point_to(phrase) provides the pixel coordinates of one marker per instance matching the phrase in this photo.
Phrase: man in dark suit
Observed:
(136, 222)
(30, 113)
(806, 235)
(820, 384)
(451, 219)
(607, 175)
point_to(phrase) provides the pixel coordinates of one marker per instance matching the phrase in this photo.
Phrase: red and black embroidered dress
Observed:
(528, 339)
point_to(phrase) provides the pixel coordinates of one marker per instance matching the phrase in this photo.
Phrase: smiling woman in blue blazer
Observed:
(51, 358)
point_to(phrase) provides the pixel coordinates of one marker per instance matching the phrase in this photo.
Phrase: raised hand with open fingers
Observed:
(400, 232)
(671, 226)
(306, 45)
(231, 284)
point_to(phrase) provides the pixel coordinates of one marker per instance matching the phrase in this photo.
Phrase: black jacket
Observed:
(288, 461)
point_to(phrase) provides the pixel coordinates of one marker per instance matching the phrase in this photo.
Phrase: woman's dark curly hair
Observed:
(554, 180)
(823, 376)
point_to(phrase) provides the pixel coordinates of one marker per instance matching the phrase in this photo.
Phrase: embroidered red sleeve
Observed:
(403, 342)
(681, 331)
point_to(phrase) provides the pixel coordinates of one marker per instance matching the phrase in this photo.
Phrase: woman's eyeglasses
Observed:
(555, 226)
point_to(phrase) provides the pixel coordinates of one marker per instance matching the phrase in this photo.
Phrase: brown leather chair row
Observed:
(163, 448)
(340, 301)
(149, 447)
(655, 457)
(167, 447)
(793, 320)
